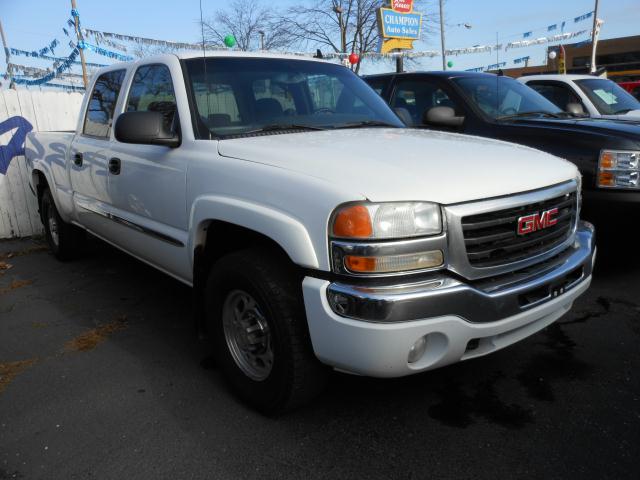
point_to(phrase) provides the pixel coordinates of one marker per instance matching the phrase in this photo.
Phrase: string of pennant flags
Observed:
(114, 41)
(37, 53)
(63, 67)
(104, 52)
(543, 40)
(553, 27)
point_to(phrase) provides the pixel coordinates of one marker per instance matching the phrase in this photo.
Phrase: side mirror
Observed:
(442, 116)
(575, 109)
(147, 128)
(404, 115)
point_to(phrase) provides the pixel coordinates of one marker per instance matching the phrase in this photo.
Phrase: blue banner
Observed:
(583, 17)
(64, 66)
(104, 52)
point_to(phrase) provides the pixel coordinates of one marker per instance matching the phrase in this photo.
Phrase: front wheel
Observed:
(255, 317)
(64, 239)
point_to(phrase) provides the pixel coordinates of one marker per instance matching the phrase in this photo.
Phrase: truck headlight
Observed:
(375, 221)
(619, 169)
(387, 238)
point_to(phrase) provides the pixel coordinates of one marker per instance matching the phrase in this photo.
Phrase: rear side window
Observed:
(152, 91)
(378, 84)
(97, 121)
(560, 95)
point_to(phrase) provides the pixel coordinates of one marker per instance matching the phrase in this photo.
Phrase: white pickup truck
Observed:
(315, 229)
(587, 95)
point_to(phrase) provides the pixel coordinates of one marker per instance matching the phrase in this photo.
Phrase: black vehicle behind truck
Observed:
(607, 152)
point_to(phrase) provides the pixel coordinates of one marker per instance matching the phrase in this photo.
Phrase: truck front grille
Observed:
(492, 239)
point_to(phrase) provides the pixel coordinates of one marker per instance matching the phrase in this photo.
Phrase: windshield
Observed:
(504, 97)
(608, 97)
(241, 96)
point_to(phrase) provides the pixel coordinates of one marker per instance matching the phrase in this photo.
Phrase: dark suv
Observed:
(607, 152)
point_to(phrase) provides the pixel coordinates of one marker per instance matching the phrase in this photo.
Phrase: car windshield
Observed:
(504, 98)
(607, 96)
(244, 96)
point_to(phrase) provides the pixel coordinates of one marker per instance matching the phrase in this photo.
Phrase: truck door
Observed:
(417, 95)
(147, 183)
(89, 151)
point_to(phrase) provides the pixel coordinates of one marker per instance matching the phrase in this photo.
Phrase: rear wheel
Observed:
(63, 238)
(255, 317)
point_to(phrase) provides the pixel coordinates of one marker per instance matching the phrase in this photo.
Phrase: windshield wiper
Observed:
(527, 114)
(367, 123)
(275, 127)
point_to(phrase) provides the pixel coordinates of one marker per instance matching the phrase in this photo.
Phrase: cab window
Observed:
(418, 96)
(560, 95)
(152, 91)
(102, 103)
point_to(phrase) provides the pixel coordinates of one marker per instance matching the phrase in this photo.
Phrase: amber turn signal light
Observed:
(607, 160)
(353, 222)
(360, 264)
(606, 179)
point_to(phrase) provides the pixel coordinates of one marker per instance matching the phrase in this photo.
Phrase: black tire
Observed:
(296, 375)
(67, 240)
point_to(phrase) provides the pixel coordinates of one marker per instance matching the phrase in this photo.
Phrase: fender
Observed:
(285, 230)
(38, 162)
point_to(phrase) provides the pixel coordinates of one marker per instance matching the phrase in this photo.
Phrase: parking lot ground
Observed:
(102, 376)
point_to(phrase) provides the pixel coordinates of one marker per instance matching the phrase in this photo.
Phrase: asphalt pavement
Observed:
(102, 376)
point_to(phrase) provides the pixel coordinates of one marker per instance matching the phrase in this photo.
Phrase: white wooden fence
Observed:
(45, 111)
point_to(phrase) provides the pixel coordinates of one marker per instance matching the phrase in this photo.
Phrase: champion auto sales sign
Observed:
(400, 21)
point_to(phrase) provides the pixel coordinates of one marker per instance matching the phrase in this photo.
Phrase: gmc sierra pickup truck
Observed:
(316, 230)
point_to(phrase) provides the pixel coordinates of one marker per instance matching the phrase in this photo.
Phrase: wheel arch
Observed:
(233, 218)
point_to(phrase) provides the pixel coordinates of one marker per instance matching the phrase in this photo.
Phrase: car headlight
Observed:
(386, 238)
(375, 221)
(619, 169)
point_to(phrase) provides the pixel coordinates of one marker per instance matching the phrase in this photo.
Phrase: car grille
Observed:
(491, 239)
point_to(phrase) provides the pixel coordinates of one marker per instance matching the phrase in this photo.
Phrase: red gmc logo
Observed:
(537, 221)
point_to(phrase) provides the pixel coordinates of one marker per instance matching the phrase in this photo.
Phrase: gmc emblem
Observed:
(537, 221)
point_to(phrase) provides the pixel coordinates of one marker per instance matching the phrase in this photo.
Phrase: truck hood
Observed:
(404, 164)
(632, 115)
(607, 127)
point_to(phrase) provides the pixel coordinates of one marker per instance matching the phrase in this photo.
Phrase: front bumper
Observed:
(605, 197)
(370, 330)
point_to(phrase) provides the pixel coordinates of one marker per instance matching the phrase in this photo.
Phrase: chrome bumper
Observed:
(481, 301)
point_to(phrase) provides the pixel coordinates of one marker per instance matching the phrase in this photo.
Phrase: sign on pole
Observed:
(399, 26)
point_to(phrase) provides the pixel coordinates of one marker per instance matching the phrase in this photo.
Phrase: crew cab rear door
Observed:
(89, 153)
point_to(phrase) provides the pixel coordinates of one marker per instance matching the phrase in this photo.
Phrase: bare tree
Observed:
(249, 21)
(324, 23)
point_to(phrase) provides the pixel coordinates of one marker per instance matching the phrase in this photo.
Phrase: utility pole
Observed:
(343, 30)
(444, 58)
(7, 54)
(261, 39)
(594, 38)
(79, 36)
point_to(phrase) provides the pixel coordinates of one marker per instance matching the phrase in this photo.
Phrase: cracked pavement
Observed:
(102, 376)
